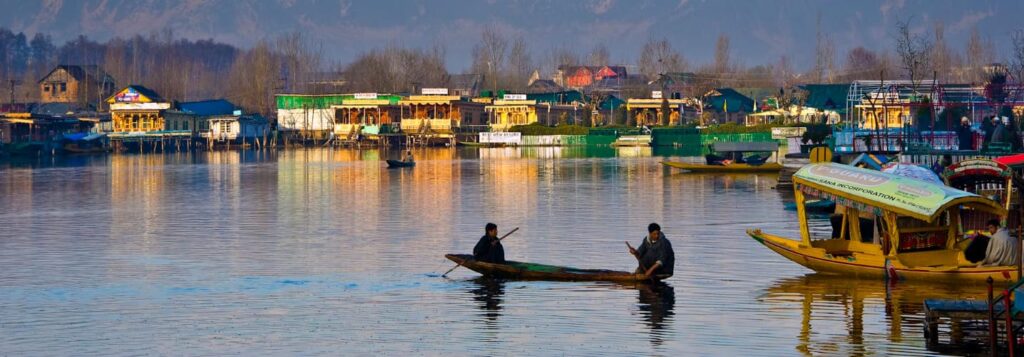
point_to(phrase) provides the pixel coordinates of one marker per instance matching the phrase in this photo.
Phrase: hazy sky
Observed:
(760, 31)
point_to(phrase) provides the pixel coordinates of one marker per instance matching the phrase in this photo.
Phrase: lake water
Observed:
(328, 252)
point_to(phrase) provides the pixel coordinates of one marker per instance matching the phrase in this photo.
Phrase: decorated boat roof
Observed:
(1011, 160)
(880, 191)
(976, 167)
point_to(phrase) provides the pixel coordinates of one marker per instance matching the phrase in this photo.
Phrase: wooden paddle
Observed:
(457, 265)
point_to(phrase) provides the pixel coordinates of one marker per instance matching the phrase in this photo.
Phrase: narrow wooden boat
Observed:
(398, 163)
(479, 145)
(917, 229)
(533, 271)
(737, 168)
(79, 149)
(726, 157)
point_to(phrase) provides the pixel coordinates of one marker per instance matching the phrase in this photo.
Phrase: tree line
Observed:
(183, 69)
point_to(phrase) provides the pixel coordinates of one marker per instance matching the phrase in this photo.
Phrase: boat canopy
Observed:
(757, 146)
(879, 191)
(1015, 160)
(976, 167)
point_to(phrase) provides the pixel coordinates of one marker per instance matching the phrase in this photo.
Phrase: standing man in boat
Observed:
(489, 248)
(408, 156)
(655, 254)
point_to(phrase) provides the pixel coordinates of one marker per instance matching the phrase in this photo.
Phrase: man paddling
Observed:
(655, 254)
(489, 248)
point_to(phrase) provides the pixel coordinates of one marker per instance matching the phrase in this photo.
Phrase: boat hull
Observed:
(878, 266)
(530, 271)
(738, 168)
(397, 163)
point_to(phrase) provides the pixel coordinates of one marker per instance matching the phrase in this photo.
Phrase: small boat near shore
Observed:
(728, 157)
(731, 168)
(474, 144)
(915, 228)
(399, 163)
(533, 271)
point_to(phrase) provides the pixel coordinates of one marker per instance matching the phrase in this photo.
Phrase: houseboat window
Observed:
(46, 88)
(63, 87)
(185, 125)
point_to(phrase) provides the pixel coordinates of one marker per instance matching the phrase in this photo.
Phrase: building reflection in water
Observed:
(833, 309)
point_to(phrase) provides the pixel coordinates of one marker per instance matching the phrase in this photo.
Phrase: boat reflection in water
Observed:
(488, 294)
(656, 302)
(833, 309)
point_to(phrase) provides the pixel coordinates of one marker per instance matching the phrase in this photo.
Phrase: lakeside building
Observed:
(82, 85)
(137, 109)
(365, 116)
(649, 111)
(728, 105)
(430, 116)
(307, 115)
(511, 110)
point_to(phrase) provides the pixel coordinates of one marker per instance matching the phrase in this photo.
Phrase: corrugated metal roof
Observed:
(207, 107)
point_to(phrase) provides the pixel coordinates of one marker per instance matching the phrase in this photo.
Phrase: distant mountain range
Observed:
(761, 31)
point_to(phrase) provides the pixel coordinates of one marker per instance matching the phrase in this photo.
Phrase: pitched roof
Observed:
(571, 70)
(737, 102)
(758, 93)
(543, 86)
(556, 97)
(81, 73)
(143, 91)
(207, 107)
(827, 96)
(465, 81)
(676, 78)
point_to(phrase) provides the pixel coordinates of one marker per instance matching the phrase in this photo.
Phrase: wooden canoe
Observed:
(766, 167)
(533, 271)
(398, 163)
(479, 145)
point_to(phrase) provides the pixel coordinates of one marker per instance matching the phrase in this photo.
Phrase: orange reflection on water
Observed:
(845, 316)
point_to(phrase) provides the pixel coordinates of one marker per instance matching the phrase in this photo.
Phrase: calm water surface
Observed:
(326, 251)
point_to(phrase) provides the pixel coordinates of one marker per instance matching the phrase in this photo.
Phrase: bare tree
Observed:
(489, 55)
(861, 63)
(394, 69)
(914, 52)
(658, 57)
(1017, 55)
(520, 65)
(945, 61)
(722, 63)
(253, 78)
(599, 56)
(824, 56)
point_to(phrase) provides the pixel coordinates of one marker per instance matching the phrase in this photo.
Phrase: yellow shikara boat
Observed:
(733, 160)
(918, 224)
(737, 168)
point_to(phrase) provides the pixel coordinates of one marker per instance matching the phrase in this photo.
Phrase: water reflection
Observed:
(488, 292)
(837, 313)
(656, 302)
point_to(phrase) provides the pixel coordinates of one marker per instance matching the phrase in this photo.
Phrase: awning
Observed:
(1011, 160)
(902, 195)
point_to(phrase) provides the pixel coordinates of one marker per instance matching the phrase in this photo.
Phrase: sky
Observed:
(760, 31)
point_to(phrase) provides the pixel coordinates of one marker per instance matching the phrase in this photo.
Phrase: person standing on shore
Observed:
(965, 135)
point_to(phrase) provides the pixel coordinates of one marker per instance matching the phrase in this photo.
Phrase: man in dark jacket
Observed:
(654, 254)
(965, 135)
(489, 248)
